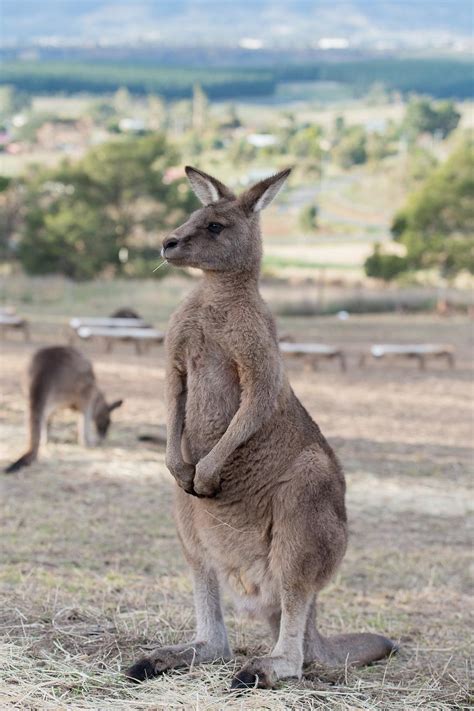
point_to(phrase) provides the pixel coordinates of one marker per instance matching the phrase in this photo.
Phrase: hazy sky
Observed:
(221, 21)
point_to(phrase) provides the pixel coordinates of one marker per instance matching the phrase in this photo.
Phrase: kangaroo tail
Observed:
(344, 649)
(37, 399)
(24, 461)
(356, 649)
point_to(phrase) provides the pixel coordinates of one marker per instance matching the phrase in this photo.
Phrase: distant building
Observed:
(262, 140)
(132, 125)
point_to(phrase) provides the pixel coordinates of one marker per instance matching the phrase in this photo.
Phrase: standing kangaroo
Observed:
(61, 377)
(260, 497)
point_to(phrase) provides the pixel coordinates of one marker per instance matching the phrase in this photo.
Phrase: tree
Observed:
(180, 116)
(79, 215)
(305, 143)
(12, 101)
(231, 118)
(424, 116)
(73, 240)
(351, 148)
(309, 218)
(157, 113)
(437, 224)
(122, 101)
(339, 127)
(199, 108)
(10, 213)
(379, 146)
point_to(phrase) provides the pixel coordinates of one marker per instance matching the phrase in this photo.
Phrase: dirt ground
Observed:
(92, 573)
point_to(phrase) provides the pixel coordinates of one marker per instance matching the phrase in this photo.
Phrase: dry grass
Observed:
(92, 573)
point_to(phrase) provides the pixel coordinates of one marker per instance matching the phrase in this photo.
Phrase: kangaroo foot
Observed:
(173, 657)
(264, 672)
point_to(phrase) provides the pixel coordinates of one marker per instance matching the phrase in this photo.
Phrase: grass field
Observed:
(91, 569)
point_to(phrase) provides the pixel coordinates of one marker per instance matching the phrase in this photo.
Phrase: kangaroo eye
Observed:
(215, 227)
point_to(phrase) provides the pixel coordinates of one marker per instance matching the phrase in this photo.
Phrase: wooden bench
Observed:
(313, 352)
(109, 336)
(9, 321)
(103, 322)
(107, 322)
(421, 352)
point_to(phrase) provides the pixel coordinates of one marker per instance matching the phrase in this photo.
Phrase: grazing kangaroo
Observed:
(260, 498)
(61, 377)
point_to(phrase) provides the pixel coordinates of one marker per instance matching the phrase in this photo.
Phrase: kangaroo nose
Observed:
(170, 243)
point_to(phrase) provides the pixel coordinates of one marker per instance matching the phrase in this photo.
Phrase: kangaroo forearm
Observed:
(181, 470)
(175, 427)
(176, 402)
(248, 419)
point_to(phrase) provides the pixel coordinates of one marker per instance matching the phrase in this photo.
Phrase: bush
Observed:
(384, 266)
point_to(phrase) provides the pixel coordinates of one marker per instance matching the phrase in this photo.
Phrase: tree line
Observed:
(437, 77)
(100, 78)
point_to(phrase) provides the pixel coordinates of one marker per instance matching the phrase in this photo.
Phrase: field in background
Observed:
(92, 572)
(52, 301)
(355, 207)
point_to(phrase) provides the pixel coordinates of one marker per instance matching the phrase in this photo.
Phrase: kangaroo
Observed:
(61, 377)
(260, 505)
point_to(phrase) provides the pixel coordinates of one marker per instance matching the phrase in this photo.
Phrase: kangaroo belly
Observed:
(239, 550)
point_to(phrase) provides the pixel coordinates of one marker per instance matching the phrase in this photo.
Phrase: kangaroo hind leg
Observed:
(210, 642)
(286, 658)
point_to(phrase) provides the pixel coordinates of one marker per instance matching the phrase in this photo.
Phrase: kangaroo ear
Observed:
(114, 405)
(261, 194)
(207, 188)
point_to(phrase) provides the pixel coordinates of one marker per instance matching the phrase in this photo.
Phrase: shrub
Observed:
(384, 266)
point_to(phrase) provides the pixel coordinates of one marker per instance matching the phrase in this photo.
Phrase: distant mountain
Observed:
(376, 24)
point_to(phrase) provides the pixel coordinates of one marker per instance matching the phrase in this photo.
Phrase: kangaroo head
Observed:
(102, 412)
(224, 234)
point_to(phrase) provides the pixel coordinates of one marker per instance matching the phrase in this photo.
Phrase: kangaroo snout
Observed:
(170, 243)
